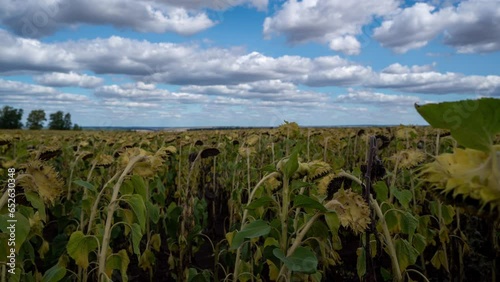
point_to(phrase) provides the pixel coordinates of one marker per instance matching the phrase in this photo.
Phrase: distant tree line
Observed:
(10, 118)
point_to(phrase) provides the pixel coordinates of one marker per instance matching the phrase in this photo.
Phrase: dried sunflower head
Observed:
(5, 139)
(353, 211)
(317, 169)
(47, 153)
(84, 155)
(408, 158)
(104, 160)
(163, 152)
(252, 140)
(405, 133)
(244, 151)
(146, 168)
(9, 163)
(44, 180)
(272, 184)
(290, 129)
(323, 184)
(467, 173)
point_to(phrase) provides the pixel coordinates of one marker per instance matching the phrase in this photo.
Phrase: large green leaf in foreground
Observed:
(473, 123)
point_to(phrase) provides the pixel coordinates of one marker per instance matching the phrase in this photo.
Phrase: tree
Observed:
(77, 127)
(10, 118)
(36, 119)
(67, 121)
(60, 121)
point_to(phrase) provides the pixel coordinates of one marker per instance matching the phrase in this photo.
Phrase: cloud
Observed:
(432, 82)
(34, 18)
(187, 64)
(471, 27)
(270, 92)
(142, 92)
(32, 55)
(335, 22)
(368, 97)
(57, 79)
(30, 95)
(216, 4)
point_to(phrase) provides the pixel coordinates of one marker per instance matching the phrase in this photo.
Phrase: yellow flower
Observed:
(468, 173)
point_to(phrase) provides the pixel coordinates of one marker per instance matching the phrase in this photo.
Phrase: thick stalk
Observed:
(95, 207)
(388, 240)
(113, 204)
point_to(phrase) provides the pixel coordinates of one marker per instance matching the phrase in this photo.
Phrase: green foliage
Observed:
(35, 119)
(252, 230)
(60, 121)
(473, 123)
(10, 118)
(79, 246)
(301, 260)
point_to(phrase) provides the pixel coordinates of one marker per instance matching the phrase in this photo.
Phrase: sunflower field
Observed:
(406, 203)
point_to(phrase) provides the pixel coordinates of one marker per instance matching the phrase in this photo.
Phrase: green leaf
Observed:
(297, 184)
(381, 190)
(153, 211)
(439, 259)
(333, 221)
(139, 187)
(22, 227)
(252, 230)
(308, 202)
(137, 204)
(473, 123)
(54, 274)
(119, 261)
(79, 246)
(260, 202)
(408, 223)
(292, 164)
(136, 238)
(391, 219)
(403, 196)
(156, 242)
(419, 243)
(85, 184)
(147, 260)
(37, 203)
(302, 260)
(406, 253)
(361, 263)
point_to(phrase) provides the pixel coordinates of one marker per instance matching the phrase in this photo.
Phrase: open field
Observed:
(288, 203)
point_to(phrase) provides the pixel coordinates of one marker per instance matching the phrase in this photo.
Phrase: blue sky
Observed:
(245, 62)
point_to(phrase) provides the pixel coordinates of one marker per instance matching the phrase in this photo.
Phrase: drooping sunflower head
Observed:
(324, 183)
(5, 139)
(353, 211)
(252, 140)
(48, 152)
(245, 151)
(145, 168)
(273, 184)
(317, 169)
(103, 160)
(408, 158)
(43, 179)
(405, 133)
(289, 129)
(331, 183)
(467, 173)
